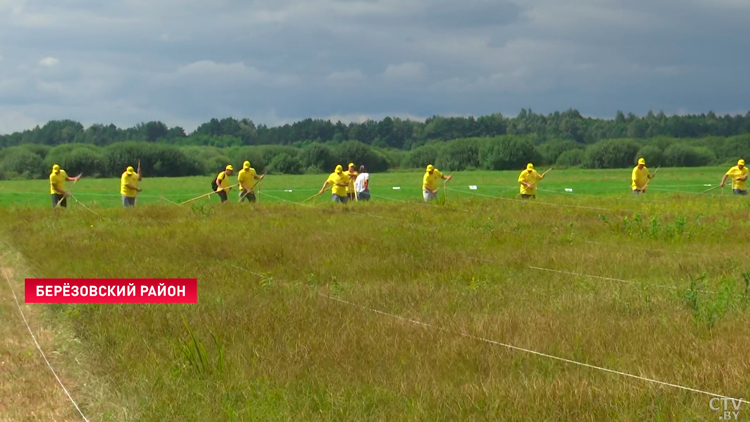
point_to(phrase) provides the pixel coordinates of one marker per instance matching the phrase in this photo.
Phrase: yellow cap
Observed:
(430, 167)
(130, 170)
(351, 164)
(529, 166)
(246, 165)
(229, 167)
(741, 163)
(339, 169)
(642, 161)
(55, 168)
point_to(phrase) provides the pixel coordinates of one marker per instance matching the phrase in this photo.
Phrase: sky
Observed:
(278, 61)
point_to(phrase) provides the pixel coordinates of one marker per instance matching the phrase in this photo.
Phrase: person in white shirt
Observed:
(362, 185)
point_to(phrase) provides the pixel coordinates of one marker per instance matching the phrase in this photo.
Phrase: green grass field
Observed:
(284, 329)
(613, 183)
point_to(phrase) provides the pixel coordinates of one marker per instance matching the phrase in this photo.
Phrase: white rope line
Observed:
(623, 281)
(646, 249)
(385, 197)
(18, 305)
(85, 207)
(533, 201)
(521, 349)
(533, 352)
(619, 280)
(286, 200)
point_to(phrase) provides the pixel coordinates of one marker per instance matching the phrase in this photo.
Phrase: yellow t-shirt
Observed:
(639, 177)
(735, 172)
(531, 178)
(247, 177)
(431, 180)
(57, 179)
(131, 179)
(335, 178)
(352, 177)
(223, 181)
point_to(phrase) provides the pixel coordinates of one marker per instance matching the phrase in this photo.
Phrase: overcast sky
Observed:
(276, 61)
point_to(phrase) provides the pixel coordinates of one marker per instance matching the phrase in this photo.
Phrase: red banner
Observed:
(109, 290)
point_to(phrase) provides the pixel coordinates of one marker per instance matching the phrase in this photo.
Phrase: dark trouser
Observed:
(249, 196)
(339, 199)
(56, 199)
(223, 195)
(524, 196)
(740, 192)
(351, 196)
(128, 201)
(364, 195)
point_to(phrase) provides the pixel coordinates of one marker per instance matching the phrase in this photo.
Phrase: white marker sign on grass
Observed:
(568, 190)
(396, 188)
(473, 187)
(287, 190)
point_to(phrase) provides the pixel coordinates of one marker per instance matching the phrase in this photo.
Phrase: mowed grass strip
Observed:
(264, 344)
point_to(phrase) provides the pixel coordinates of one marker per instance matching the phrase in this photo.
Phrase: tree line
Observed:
(504, 152)
(393, 133)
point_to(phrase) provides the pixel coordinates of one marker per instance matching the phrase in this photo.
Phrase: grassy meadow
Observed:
(284, 329)
(610, 183)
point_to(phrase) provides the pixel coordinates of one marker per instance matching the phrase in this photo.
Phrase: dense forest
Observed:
(491, 142)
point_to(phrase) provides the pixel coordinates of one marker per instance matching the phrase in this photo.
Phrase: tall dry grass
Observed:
(264, 342)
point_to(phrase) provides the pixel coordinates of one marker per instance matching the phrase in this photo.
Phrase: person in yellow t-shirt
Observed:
(338, 180)
(352, 177)
(57, 179)
(529, 179)
(739, 175)
(222, 183)
(430, 182)
(246, 178)
(640, 177)
(129, 186)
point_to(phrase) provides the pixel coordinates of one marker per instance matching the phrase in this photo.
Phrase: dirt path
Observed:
(28, 389)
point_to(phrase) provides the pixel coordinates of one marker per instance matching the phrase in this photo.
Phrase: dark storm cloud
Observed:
(186, 61)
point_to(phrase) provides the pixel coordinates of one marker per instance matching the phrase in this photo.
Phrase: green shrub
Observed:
(317, 156)
(285, 164)
(570, 158)
(507, 153)
(652, 154)
(679, 155)
(550, 152)
(420, 157)
(460, 154)
(612, 153)
(22, 163)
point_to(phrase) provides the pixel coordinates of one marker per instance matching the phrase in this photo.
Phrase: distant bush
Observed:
(550, 151)
(21, 163)
(238, 155)
(157, 160)
(612, 153)
(268, 152)
(285, 164)
(359, 153)
(735, 148)
(77, 158)
(317, 156)
(507, 153)
(652, 154)
(460, 154)
(420, 157)
(679, 155)
(570, 158)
